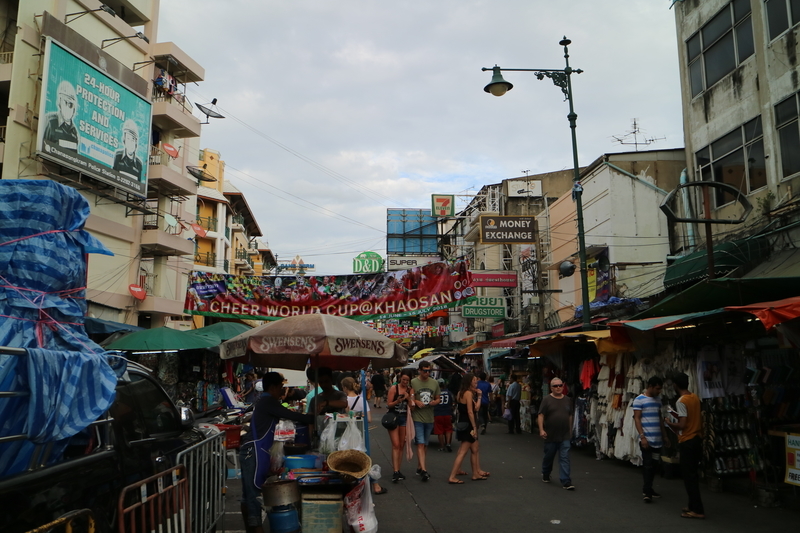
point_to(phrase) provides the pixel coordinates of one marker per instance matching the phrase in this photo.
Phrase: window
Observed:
(787, 124)
(779, 15)
(722, 44)
(736, 159)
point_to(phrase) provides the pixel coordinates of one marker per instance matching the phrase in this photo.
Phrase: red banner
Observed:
(382, 295)
(505, 278)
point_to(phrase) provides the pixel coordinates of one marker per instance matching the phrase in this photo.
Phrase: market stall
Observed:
(322, 489)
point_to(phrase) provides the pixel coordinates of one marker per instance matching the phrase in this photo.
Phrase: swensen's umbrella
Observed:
(332, 341)
(160, 339)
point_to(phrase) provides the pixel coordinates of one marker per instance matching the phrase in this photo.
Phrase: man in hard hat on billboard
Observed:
(60, 128)
(125, 160)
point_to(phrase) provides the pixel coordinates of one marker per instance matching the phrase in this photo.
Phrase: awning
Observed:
(422, 353)
(442, 361)
(602, 340)
(727, 257)
(512, 342)
(718, 293)
(479, 344)
(662, 322)
(772, 313)
(499, 354)
(441, 313)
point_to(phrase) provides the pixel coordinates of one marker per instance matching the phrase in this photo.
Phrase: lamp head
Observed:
(498, 86)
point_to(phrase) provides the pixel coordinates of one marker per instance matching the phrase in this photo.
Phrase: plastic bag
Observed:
(276, 458)
(360, 511)
(284, 431)
(375, 472)
(507, 414)
(327, 441)
(352, 438)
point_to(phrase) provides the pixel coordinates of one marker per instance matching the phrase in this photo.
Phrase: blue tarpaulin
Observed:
(42, 309)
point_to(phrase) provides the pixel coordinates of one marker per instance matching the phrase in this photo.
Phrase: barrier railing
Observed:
(157, 503)
(207, 471)
(68, 522)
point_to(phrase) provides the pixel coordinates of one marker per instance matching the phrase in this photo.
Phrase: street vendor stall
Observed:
(340, 344)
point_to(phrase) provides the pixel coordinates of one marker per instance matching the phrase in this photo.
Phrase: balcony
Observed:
(173, 112)
(244, 260)
(237, 223)
(206, 258)
(166, 178)
(208, 223)
(178, 63)
(6, 58)
(163, 242)
(161, 305)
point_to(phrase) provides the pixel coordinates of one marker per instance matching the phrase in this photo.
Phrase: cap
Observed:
(441, 381)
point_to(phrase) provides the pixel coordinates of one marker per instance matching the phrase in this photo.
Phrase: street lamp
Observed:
(562, 78)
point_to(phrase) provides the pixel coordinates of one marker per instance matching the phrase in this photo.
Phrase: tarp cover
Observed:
(42, 306)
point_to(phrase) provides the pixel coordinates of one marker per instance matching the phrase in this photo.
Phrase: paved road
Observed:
(607, 497)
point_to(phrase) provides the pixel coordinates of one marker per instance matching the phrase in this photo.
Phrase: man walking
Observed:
(513, 395)
(378, 388)
(426, 397)
(555, 427)
(486, 392)
(647, 417)
(690, 443)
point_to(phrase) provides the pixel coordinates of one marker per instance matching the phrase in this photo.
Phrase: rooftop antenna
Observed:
(636, 133)
(209, 111)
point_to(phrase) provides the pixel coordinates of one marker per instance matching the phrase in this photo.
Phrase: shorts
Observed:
(402, 419)
(422, 432)
(442, 424)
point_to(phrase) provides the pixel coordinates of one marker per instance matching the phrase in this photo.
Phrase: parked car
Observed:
(141, 435)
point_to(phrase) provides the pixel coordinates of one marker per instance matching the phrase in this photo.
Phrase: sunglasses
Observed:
(558, 385)
(424, 369)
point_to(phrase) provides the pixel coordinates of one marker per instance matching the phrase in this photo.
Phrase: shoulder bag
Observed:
(390, 420)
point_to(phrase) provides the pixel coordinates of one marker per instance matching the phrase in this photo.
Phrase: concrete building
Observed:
(739, 86)
(97, 103)
(622, 224)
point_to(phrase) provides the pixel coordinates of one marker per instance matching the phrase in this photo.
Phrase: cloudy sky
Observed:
(338, 110)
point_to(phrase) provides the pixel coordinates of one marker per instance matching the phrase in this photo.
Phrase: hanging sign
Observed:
(138, 292)
(443, 205)
(485, 308)
(792, 459)
(507, 230)
(367, 263)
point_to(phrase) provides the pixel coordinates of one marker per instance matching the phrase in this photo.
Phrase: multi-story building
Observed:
(626, 234)
(741, 106)
(97, 103)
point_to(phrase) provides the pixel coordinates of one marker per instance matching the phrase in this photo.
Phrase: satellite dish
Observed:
(171, 150)
(602, 264)
(566, 269)
(200, 173)
(209, 111)
(137, 292)
(170, 220)
(198, 229)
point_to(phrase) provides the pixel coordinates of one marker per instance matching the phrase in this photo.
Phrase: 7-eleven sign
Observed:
(443, 205)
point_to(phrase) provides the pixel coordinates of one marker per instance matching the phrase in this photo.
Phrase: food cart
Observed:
(319, 494)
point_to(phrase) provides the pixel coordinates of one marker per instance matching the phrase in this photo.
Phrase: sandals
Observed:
(480, 478)
(690, 514)
(456, 482)
(383, 490)
(486, 474)
(461, 473)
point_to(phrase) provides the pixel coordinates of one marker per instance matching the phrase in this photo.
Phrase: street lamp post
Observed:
(561, 78)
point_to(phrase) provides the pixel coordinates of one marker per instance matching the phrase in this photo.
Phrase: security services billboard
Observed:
(91, 123)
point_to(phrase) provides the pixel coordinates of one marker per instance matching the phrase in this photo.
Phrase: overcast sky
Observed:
(338, 110)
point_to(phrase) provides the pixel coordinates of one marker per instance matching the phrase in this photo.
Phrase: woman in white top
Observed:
(356, 404)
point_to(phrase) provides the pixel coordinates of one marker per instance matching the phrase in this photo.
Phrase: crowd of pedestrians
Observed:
(465, 405)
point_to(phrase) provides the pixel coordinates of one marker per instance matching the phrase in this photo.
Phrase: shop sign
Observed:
(443, 205)
(499, 329)
(367, 263)
(485, 307)
(505, 278)
(297, 264)
(400, 262)
(792, 459)
(507, 230)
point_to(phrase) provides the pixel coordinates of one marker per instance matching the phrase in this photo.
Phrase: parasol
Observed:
(161, 339)
(221, 331)
(332, 341)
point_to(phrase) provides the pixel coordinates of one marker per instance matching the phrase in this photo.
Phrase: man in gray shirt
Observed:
(555, 427)
(513, 395)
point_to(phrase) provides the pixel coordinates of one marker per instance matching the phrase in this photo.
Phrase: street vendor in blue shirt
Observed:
(256, 443)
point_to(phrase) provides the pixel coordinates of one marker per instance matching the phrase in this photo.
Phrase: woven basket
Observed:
(350, 463)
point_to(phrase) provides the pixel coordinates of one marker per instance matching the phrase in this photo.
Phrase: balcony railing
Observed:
(6, 58)
(227, 233)
(226, 265)
(207, 259)
(242, 254)
(147, 281)
(151, 221)
(254, 246)
(178, 100)
(209, 223)
(2, 134)
(237, 219)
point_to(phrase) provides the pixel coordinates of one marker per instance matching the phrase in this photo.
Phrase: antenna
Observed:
(200, 173)
(208, 111)
(635, 133)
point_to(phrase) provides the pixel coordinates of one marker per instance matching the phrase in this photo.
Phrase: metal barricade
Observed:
(83, 517)
(159, 503)
(207, 471)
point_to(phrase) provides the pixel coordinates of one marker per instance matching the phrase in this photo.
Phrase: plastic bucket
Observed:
(283, 520)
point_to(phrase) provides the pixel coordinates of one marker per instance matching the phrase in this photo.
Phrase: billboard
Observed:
(485, 307)
(91, 123)
(367, 263)
(499, 278)
(443, 205)
(507, 230)
(411, 231)
(399, 262)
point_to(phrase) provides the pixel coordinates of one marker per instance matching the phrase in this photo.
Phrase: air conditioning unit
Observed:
(480, 336)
